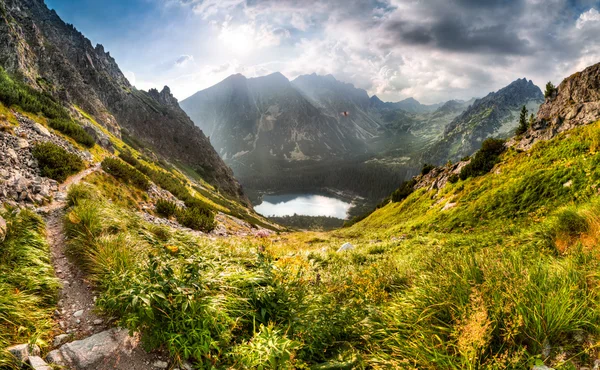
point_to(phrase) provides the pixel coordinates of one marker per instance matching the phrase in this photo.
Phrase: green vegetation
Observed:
(550, 89)
(73, 130)
(485, 159)
(405, 189)
(197, 215)
(523, 123)
(196, 218)
(166, 208)
(309, 222)
(426, 169)
(28, 288)
(506, 278)
(55, 162)
(125, 173)
(14, 93)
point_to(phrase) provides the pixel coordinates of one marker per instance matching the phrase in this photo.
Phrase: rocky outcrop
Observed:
(438, 177)
(20, 180)
(576, 102)
(55, 57)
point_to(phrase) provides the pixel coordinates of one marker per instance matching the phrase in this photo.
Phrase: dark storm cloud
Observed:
(464, 26)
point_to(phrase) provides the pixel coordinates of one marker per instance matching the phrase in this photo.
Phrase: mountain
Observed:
(495, 115)
(257, 121)
(54, 57)
(410, 105)
(575, 102)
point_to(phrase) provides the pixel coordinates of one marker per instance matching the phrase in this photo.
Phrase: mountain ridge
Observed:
(55, 57)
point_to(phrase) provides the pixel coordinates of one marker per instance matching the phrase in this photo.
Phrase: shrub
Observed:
(426, 169)
(453, 178)
(485, 159)
(166, 208)
(73, 130)
(196, 218)
(405, 189)
(28, 99)
(125, 173)
(55, 162)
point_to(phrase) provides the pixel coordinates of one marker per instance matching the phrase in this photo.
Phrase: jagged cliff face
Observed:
(53, 56)
(575, 102)
(495, 115)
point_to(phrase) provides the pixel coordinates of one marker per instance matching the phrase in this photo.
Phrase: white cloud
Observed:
(130, 76)
(591, 16)
(184, 60)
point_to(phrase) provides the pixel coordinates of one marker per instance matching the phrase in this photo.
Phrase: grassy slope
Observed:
(28, 288)
(509, 271)
(506, 279)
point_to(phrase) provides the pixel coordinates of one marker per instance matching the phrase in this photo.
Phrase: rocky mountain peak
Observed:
(575, 102)
(164, 97)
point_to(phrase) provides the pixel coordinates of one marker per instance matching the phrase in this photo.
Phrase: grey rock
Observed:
(37, 363)
(88, 353)
(345, 247)
(78, 313)
(12, 154)
(3, 229)
(60, 339)
(22, 144)
(41, 130)
(98, 322)
(22, 351)
(160, 364)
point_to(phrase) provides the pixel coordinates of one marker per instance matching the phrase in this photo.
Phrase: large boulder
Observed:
(90, 352)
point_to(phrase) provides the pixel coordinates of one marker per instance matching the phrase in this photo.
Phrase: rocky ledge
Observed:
(20, 181)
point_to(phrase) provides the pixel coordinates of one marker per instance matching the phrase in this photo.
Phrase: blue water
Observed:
(303, 204)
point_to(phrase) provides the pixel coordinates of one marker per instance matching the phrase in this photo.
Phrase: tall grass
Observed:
(28, 289)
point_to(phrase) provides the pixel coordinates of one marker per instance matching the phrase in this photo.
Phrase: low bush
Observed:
(196, 218)
(484, 160)
(405, 189)
(166, 208)
(125, 173)
(426, 169)
(55, 162)
(73, 130)
(453, 178)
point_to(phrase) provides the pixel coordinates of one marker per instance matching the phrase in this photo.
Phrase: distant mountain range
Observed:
(270, 125)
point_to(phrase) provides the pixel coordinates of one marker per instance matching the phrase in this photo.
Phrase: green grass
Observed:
(28, 288)
(505, 279)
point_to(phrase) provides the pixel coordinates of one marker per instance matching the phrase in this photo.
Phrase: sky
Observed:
(432, 50)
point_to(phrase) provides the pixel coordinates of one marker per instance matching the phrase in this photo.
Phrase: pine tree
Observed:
(531, 121)
(549, 89)
(523, 124)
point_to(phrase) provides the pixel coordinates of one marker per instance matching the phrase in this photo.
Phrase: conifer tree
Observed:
(523, 124)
